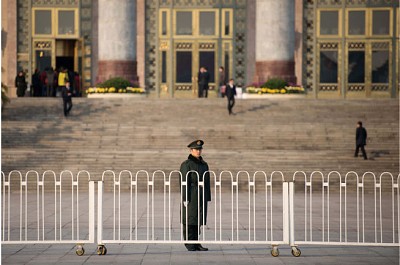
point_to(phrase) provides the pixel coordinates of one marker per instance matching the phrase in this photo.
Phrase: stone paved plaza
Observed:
(218, 254)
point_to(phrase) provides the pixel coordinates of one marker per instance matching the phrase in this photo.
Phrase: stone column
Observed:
(140, 40)
(117, 39)
(9, 45)
(275, 39)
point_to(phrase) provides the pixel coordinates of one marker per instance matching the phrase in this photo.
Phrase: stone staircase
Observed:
(271, 134)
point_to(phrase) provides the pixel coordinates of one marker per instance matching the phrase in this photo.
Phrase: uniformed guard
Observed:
(193, 170)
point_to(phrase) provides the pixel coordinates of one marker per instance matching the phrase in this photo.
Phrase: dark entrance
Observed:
(65, 51)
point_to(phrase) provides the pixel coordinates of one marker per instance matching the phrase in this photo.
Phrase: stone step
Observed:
(150, 134)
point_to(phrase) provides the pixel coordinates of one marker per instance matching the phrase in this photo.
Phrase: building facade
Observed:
(333, 48)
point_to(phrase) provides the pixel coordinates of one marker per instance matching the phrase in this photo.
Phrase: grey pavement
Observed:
(176, 254)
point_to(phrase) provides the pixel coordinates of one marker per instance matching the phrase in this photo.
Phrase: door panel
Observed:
(207, 59)
(183, 70)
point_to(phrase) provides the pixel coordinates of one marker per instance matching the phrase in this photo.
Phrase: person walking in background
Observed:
(67, 98)
(71, 79)
(207, 80)
(55, 86)
(36, 84)
(77, 85)
(43, 82)
(193, 202)
(230, 94)
(222, 82)
(201, 82)
(62, 79)
(361, 140)
(50, 75)
(20, 83)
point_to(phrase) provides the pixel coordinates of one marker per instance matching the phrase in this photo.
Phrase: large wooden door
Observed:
(189, 56)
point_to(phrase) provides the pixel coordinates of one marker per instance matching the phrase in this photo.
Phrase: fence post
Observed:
(291, 213)
(100, 212)
(285, 200)
(91, 211)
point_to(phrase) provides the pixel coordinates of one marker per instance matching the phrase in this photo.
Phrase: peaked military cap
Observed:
(198, 144)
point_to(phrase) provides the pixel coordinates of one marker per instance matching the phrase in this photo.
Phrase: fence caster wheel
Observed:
(101, 250)
(296, 251)
(79, 250)
(275, 251)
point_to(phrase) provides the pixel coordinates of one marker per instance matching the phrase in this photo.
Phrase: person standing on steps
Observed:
(193, 170)
(201, 82)
(20, 83)
(222, 82)
(361, 140)
(50, 75)
(67, 98)
(62, 79)
(36, 84)
(207, 80)
(230, 95)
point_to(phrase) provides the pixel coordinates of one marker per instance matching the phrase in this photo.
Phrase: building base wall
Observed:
(117, 68)
(276, 68)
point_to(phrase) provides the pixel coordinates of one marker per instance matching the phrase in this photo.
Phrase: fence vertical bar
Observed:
(91, 211)
(285, 202)
(2, 196)
(291, 214)
(26, 206)
(100, 211)
(20, 209)
(398, 209)
(266, 209)
(119, 207)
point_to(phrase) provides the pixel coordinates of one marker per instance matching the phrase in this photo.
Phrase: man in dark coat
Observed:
(36, 84)
(361, 139)
(67, 98)
(203, 78)
(207, 80)
(222, 82)
(194, 170)
(230, 94)
(20, 84)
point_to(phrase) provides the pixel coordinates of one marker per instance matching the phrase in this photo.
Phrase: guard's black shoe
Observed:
(191, 247)
(201, 248)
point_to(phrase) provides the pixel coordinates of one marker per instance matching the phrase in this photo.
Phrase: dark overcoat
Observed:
(230, 91)
(193, 192)
(21, 85)
(361, 136)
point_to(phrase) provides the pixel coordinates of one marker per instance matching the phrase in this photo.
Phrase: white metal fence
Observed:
(47, 208)
(246, 208)
(352, 210)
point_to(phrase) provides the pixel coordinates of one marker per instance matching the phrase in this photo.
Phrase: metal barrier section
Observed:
(331, 209)
(47, 208)
(144, 208)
